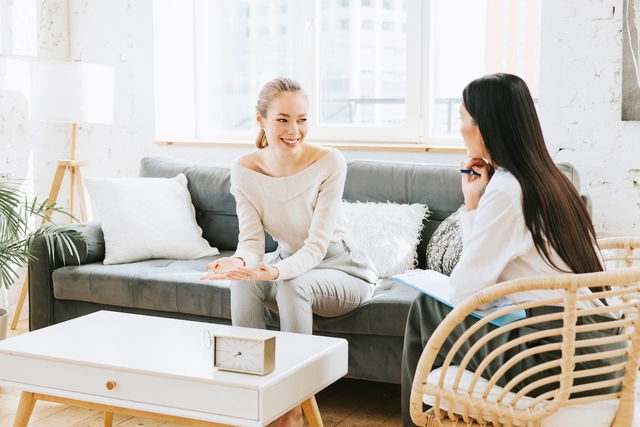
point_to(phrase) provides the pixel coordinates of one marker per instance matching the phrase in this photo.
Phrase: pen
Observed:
(469, 172)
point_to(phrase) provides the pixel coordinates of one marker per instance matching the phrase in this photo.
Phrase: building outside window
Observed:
(375, 71)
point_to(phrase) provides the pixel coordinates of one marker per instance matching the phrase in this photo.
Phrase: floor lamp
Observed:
(71, 93)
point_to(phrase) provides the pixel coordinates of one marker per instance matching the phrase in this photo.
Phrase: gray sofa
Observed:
(171, 288)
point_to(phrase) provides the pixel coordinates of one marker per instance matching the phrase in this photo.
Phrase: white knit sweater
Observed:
(498, 246)
(302, 212)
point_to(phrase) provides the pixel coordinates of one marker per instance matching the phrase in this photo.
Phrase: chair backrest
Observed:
(620, 251)
(603, 342)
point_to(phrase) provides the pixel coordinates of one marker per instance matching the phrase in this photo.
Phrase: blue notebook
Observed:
(437, 285)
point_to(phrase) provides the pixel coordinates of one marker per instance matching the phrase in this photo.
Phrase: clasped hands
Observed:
(231, 268)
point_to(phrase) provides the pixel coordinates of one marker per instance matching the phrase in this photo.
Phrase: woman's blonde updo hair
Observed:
(270, 90)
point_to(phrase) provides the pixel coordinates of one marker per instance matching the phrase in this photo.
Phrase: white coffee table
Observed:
(159, 368)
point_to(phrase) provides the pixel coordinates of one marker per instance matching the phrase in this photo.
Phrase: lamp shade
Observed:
(73, 92)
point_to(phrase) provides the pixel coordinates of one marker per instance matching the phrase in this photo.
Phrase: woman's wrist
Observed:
(471, 203)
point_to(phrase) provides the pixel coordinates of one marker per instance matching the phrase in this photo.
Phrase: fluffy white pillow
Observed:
(144, 218)
(388, 233)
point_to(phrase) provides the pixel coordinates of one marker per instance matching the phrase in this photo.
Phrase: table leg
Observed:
(25, 408)
(108, 419)
(311, 412)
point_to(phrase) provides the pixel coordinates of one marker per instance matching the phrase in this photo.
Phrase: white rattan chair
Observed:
(458, 396)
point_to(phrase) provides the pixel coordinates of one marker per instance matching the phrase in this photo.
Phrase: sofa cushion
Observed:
(160, 284)
(209, 187)
(445, 247)
(147, 218)
(437, 186)
(387, 233)
(593, 414)
(175, 286)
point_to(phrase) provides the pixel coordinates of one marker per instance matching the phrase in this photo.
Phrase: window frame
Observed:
(412, 132)
(307, 22)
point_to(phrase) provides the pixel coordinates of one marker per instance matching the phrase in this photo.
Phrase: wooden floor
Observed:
(345, 403)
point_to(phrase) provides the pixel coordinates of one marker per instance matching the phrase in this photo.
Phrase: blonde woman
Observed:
(293, 190)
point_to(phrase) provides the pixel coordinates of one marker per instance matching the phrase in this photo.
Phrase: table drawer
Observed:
(133, 387)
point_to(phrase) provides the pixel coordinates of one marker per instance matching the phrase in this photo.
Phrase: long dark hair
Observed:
(503, 109)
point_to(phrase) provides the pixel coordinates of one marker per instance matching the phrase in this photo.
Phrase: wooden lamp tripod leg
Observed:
(76, 185)
(55, 186)
(53, 196)
(21, 298)
(81, 195)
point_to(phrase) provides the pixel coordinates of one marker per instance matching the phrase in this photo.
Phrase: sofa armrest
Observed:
(41, 267)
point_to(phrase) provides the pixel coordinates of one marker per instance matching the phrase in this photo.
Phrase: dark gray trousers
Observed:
(426, 314)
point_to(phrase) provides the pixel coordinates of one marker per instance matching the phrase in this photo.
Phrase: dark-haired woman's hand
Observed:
(472, 185)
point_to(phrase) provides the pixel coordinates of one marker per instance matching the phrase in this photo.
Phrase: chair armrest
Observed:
(41, 267)
(549, 326)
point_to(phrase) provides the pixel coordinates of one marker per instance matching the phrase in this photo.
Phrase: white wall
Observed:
(579, 103)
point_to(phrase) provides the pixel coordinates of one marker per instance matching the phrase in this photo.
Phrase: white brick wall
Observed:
(579, 102)
(580, 107)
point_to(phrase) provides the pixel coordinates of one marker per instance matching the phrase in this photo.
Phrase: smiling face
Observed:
(472, 136)
(285, 123)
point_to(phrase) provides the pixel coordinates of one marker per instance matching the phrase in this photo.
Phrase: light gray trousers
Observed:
(339, 284)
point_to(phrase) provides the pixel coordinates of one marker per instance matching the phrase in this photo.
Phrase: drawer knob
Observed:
(110, 385)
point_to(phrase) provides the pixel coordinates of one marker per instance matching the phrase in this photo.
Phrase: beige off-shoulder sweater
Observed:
(302, 212)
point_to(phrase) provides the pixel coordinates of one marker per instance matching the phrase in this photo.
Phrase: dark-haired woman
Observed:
(522, 217)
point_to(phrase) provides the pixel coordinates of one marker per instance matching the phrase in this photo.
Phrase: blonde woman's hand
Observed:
(218, 269)
(263, 272)
(225, 263)
(473, 186)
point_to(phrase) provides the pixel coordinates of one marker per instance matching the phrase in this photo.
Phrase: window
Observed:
(375, 71)
(509, 43)
(367, 24)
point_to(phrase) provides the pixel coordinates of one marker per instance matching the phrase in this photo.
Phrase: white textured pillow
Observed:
(144, 218)
(388, 233)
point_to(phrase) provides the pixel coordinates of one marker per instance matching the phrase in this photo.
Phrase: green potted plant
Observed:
(17, 213)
